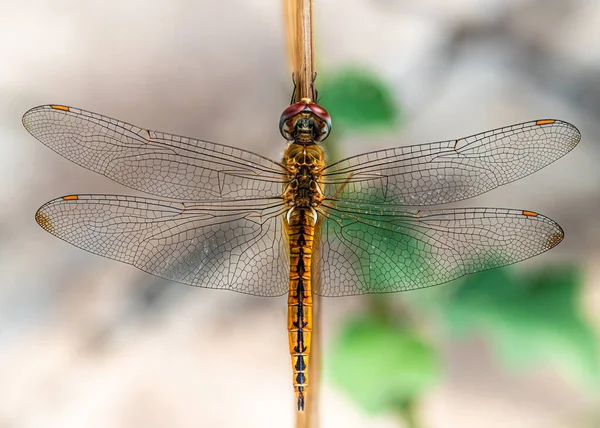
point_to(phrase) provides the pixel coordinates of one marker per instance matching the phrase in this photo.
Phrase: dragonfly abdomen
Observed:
(302, 230)
(303, 195)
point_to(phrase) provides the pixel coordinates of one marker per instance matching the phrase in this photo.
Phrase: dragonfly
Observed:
(227, 218)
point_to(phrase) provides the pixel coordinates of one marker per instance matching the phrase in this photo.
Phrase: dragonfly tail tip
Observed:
(300, 401)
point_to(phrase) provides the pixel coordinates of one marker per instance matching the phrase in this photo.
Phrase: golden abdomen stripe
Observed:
(301, 238)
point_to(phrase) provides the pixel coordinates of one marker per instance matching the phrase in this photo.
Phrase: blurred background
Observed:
(85, 341)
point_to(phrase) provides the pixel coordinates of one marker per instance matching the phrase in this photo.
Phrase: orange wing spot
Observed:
(57, 107)
(70, 198)
(456, 143)
(545, 122)
(530, 214)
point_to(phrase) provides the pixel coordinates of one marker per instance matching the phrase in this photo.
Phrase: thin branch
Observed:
(300, 32)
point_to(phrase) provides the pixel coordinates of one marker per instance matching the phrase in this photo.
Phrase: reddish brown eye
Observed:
(323, 121)
(292, 110)
(320, 111)
(286, 127)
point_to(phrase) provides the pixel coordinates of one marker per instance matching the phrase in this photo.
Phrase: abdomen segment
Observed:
(301, 238)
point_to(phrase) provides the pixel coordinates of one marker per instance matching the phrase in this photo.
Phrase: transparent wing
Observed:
(153, 162)
(226, 244)
(381, 249)
(448, 171)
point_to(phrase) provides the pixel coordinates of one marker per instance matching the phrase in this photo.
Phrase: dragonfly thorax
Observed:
(304, 164)
(305, 122)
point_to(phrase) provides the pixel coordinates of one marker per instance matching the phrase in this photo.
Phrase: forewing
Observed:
(448, 171)
(381, 249)
(150, 161)
(226, 244)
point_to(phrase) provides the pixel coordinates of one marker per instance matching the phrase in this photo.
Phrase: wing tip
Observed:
(43, 219)
(577, 134)
(554, 236)
(27, 115)
(574, 140)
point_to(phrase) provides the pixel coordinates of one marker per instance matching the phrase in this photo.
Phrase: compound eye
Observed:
(287, 122)
(323, 121)
(319, 111)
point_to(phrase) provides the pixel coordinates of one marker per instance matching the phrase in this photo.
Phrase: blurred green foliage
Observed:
(383, 362)
(530, 319)
(381, 365)
(358, 100)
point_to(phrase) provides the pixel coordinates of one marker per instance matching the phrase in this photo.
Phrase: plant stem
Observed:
(300, 36)
(407, 412)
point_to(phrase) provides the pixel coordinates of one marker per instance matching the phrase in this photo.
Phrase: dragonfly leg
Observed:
(314, 89)
(315, 92)
(293, 100)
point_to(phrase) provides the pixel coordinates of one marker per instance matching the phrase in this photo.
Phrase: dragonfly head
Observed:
(305, 119)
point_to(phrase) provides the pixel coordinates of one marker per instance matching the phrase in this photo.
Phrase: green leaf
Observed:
(379, 366)
(357, 99)
(531, 319)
